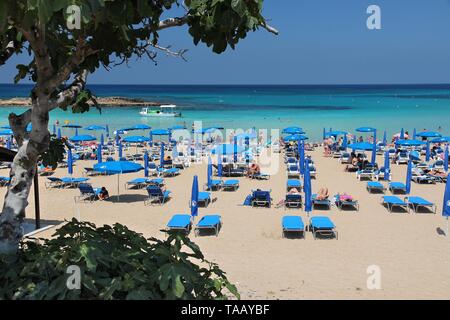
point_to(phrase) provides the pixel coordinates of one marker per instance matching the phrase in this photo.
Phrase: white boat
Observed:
(168, 110)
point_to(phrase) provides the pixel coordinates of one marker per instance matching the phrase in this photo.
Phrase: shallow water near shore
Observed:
(385, 107)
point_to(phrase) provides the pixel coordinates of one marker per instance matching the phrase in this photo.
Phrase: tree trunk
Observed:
(23, 170)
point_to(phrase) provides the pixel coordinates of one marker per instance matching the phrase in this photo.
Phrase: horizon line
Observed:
(253, 84)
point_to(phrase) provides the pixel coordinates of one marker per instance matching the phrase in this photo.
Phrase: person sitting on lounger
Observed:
(104, 194)
(253, 170)
(322, 194)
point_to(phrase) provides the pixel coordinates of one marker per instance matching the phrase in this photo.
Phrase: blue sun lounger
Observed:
(204, 198)
(323, 226)
(293, 201)
(4, 181)
(209, 222)
(375, 186)
(156, 195)
(136, 183)
(418, 202)
(87, 193)
(169, 172)
(54, 182)
(215, 184)
(293, 183)
(346, 203)
(317, 202)
(261, 198)
(292, 224)
(180, 222)
(156, 182)
(395, 187)
(231, 185)
(392, 202)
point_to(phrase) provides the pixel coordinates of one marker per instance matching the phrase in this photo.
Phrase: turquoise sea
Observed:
(343, 107)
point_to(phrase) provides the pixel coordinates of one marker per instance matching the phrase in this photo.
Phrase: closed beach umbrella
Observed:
(209, 172)
(54, 130)
(117, 138)
(345, 143)
(302, 157)
(385, 138)
(174, 152)
(117, 167)
(120, 150)
(414, 134)
(194, 197)
(161, 156)
(235, 150)
(107, 131)
(247, 148)
(219, 165)
(374, 148)
(59, 133)
(102, 140)
(323, 134)
(408, 177)
(386, 165)
(150, 141)
(307, 189)
(170, 135)
(446, 158)
(146, 164)
(446, 204)
(76, 131)
(69, 161)
(428, 153)
(8, 142)
(402, 134)
(99, 153)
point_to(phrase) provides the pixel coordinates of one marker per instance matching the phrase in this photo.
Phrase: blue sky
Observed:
(320, 42)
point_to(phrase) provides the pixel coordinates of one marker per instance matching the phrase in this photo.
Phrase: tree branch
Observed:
(67, 96)
(173, 22)
(270, 28)
(18, 124)
(7, 52)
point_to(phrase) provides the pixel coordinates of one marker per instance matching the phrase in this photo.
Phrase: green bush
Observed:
(115, 263)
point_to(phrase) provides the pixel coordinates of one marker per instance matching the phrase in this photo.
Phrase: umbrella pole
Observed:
(118, 187)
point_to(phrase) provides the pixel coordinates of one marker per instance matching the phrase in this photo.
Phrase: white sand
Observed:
(414, 258)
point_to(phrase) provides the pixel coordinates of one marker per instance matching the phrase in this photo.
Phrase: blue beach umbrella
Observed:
(54, 130)
(414, 134)
(345, 142)
(150, 136)
(402, 134)
(107, 131)
(295, 137)
(117, 138)
(6, 132)
(386, 165)
(219, 165)
(446, 204)
(408, 177)
(247, 148)
(59, 133)
(292, 130)
(69, 161)
(118, 167)
(194, 197)
(307, 190)
(446, 158)
(161, 156)
(428, 134)
(94, 128)
(323, 134)
(160, 132)
(374, 153)
(99, 153)
(365, 129)
(82, 138)
(146, 164)
(362, 146)
(227, 149)
(102, 140)
(384, 138)
(409, 143)
(136, 139)
(428, 153)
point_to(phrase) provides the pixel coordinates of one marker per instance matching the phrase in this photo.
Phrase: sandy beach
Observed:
(408, 248)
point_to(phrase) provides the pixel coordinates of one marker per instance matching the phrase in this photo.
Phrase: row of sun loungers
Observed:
(414, 203)
(183, 222)
(320, 226)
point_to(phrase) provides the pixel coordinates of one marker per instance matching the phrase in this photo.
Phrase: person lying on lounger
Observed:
(253, 169)
(345, 197)
(322, 194)
(283, 201)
